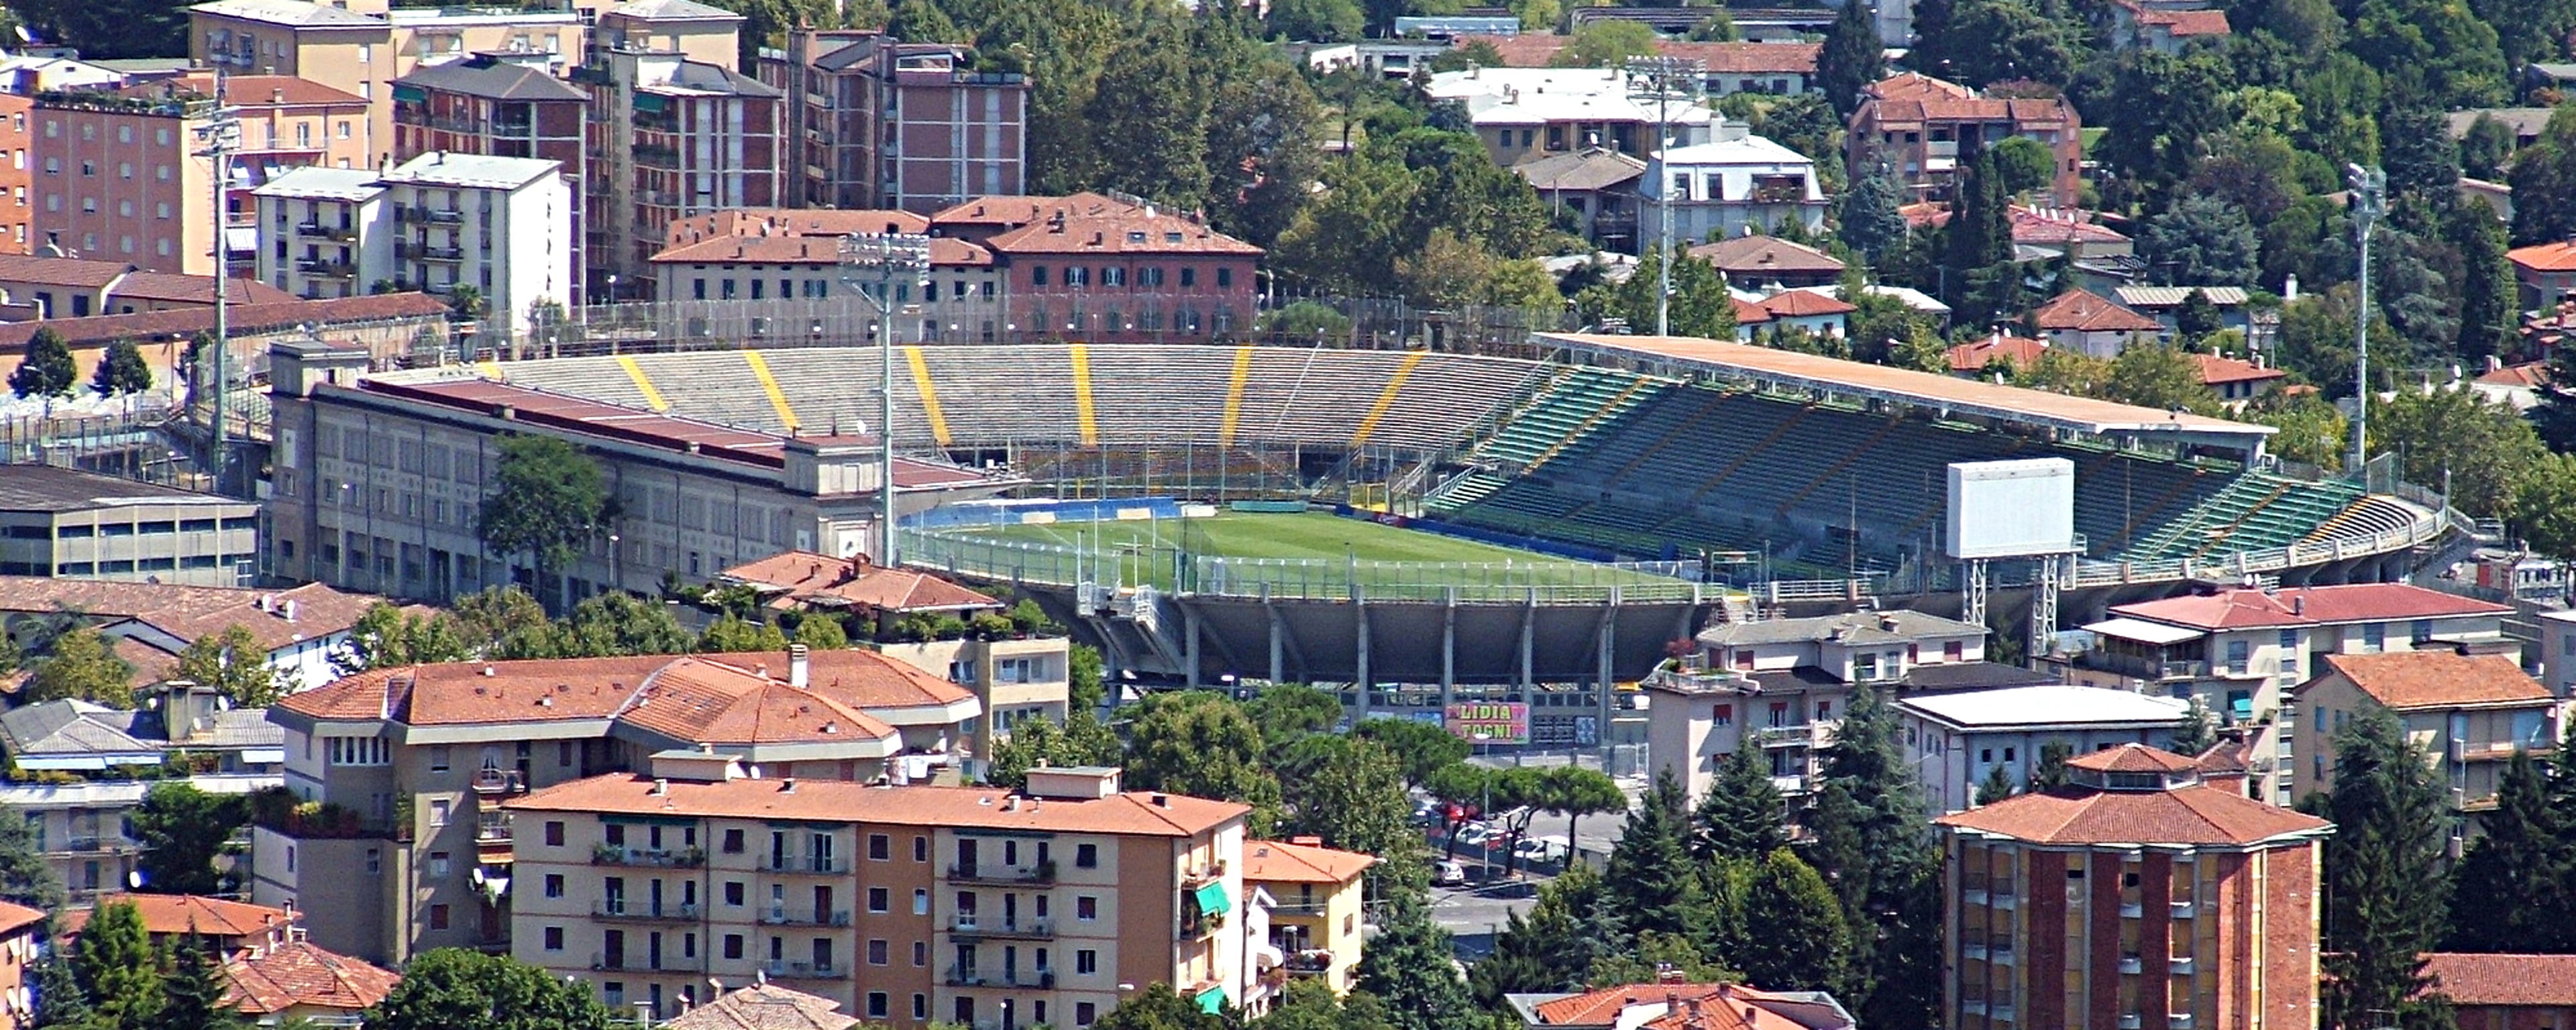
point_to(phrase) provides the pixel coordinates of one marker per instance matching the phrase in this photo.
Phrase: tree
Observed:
(26, 878)
(1700, 304)
(2486, 148)
(2197, 318)
(1201, 744)
(2200, 241)
(194, 998)
(2490, 299)
(116, 967)
(2311, 430)
(1574, 792)
(2025, 164)
(2524, 856)
(548, 500)
(1742, 816)
(2162, 107)
(1997, 785)
(503, 622)
(920, 21)
(822, 632)
(1083, 673)
(1082, 740)
(1803, 942)
(620, 623)
(1872, 845)
(121, 370)
(733, 633)
(1422, 748)
(108, 31)
(81, 667)
(1408, 966)
(1606, 43)
(2481, 448)
(453, 987)
(1309, 1003)
(2050, 773)
(1652, 884)
(1263, 127)
(2383, 869)
(1290, 712)
(1159, 1007)
(1565, 934)
(385, 636)
(1871, 219)
(46, 371)
(2418, 153)
(1317, 21)
(1150, 111)
(180, 830)
(235, 665)
(2544, 505)
(1356, 801)
(60, 1005)
(2156, 375)
(2195, 736)
(1852, 57)
(1990, 41)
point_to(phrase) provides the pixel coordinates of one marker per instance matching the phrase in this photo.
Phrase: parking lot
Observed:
(1475, 910)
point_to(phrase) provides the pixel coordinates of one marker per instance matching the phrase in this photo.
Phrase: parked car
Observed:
(1450, 874)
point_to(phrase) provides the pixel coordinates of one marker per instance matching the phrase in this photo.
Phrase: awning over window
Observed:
(1212, 899)
(1212, 999)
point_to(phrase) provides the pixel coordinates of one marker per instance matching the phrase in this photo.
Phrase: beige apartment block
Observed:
(2470, 713)
(908, 905)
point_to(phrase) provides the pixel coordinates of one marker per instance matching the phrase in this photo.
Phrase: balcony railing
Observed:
(1208, 873)
(326, 268)
(965, 872)
(802, 970)
(1032, 930)
(683, 858)
(627, 908)
(499, 781)
(1294, 909)
(819, 865)
(425, 252)
(969, 976)
(317, 230)
(1799, 735)
(805, 917)
(1197, 925)
(495, 831)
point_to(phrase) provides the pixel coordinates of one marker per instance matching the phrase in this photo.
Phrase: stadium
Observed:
(1499, 520)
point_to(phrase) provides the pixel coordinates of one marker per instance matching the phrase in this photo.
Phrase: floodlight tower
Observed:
(1665, 82)
(217, 137)
(884, 260)
(2369, 204)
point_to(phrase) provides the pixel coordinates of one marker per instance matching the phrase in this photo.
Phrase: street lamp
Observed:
(884, 259)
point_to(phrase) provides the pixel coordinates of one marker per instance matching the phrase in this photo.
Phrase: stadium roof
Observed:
(1686, 355)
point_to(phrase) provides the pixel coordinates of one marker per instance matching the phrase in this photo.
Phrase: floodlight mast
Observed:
(884, 260)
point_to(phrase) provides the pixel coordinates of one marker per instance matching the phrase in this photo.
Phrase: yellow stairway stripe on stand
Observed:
(652, 397)
(1234, 396)
(1082, 412)
(1386, 397)
(929, 397)
(769, 383)
(491, 370)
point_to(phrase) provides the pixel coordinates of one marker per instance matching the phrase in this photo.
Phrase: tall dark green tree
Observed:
(121, 371)
(1149, 118)
(46, 370)
(1742, 816)
(26, 878)
(1872, 219)
(2385, 892)
(1979, 277)
(445, 988)
(2524, 855)
(1202, 744)
(1872, 844)
(1800, 942)
(181, 829)
(195, 991)
(1569, 930)
(60, 1005)
(548, 500)
(1852, 58)
(2490, 298)
(2195, 735)
(1653, 885)
(1408, 966)
(118, 969)
(1997, 785)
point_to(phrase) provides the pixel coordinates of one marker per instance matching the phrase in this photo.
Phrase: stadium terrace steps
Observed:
(2253, 512)
(2370, 514)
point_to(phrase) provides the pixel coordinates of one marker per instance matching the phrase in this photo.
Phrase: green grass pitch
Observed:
(1311, 535)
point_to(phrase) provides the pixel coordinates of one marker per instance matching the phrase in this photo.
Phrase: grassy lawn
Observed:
(1318, 537)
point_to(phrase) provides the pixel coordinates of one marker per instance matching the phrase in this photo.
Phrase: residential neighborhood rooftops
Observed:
(1804, 304)
(2180, 811)
(177, 914)
(300, 974)
(2436, 679)
(2218, 369)
(781, 221)
(2553, 256)
(2243, 608)
(819, 579)
(1764, 255)
(1975, 355)
(492, 80)
(1682, 1006)
(1590, 168)
(15, 917)
(1138, 813)
(2081, 311)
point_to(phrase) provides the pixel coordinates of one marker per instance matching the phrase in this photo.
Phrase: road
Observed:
(1475, 913)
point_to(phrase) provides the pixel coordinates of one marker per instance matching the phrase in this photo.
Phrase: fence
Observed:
(1012, 513)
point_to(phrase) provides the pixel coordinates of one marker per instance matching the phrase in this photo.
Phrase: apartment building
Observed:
(907, 905)
(1922, 128)
(80, 827)
(502, 225)
(1523, 114)
(22, 939)
(960, 300)
(170, 919)
(1954, 741)
(1734, 183)
(500, 105)
(673, 133)
(1313, 894)
(2239, 651)
(409, 850)
(2469, 712)
(2140, 894)
(17, 176)
(322, 232)
(877, 122)
(1782, 684)
(70, 523)
(1109, 269)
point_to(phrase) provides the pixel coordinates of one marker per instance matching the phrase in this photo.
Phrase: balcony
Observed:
(643, 911)
(807, 917)
(653, 156)
(1199, 926)
(493, 830)
(316, 230)
(801, 970)
(1209, 873)
(326, 268)
(425, 252)
(491, 782)
(683, 858)
(2132, 910)
(970, 928)
(1309, 962)
(1041, 873)
(1300, 909)
(429, 215)
(969, 976)
(814, 865)
(1800, 735)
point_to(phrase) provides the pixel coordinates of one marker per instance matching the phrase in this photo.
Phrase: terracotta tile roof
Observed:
(1279, 861)
(2307, 606)
(1132, 813)
(710, 702)
(1602, 1007)
(15, 917)
(2479, 979)
(2554, 256)
(189, 913)
(189, 612)
(1763, 255)
(1732, 1007)
(301, 974)
(625, 687)
(820, 578)
(2132, 758)
(245, 319)
(2200, 815)
(2218, 368)
(320, 611)
(2187, 24)
(76, 273)
(2058, 225)
(1916, 86)
(1010, 210)
(1804, 304)
(195, 289)
(1527, 50)
(1696, 1007)
(1128, 231)
(2529, 375)
(2083, 312)
(1749, 313)
(2437, 679)
(1743, 58)
(803, 250)
(764, 1007)
(292, 91)
(2013, 350)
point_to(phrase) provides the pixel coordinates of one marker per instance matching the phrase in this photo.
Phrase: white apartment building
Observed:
(501, 225)
(2241, 650)
(1954, 741)
(1736, 183)
(322, 230)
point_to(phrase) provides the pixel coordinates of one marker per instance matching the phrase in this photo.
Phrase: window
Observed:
(438, 810)
(733, 893)
(2236, 656)
(1084, 1013)
(1037, 275)
(554, 885)
(1086, 908)
(1189, 276)
(438, 917)
(554, 833)
(733, 944)
(1723, 715)
(2421, 630)
(554, 938)
(375, 861)
(733, 842)
(1086, 962)
(2375, 635)
(920, 901)
(876, 899)
(879, 847)
(1224, 278)
(2289, 645)
(920, 1006)
(879, 954)
(876, 1004)
(920, 954)
(439, 758)
(1086, 856)
(617, 834)
(921, 849)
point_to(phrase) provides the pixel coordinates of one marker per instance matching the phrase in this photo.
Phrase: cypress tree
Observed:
(1742, 816)
(2525, 857)
(1997, 786)
(1652, 884)
(60, 1005)
(195, 995)
(2384, 883)
(1851, 59)
(118, 969)
(1873, 845)
(2194, 737)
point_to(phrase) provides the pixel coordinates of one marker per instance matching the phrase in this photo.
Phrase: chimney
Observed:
(797, 665)
(2299, 605)
(1162, 801)
(288, 607)
(277, 95)
(661, 786)
(787, 785)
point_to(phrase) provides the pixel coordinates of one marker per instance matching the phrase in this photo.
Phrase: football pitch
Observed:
(1310, 537)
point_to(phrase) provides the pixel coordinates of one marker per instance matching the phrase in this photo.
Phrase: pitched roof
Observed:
(244, 319)
(189, 913)
(2197, 815)
(1804, 304)
(669, 10)
(764, 1007)
(1015, 210)
(1591, 168)
(2057, 225)
(1746, 58)
(2485, 978)
(2048, 704)
(55, 488)
(729, 694)
(804, 250)
(72, 728)
(2081, 311)
(492, 80)
(15, 917)
(2219, 368)
(2437, 679)
(710, 702)
(2307, 606)
(2553, 256)
(1689, 1006)
(2017, 351)
(1133, 813)
(195, 289)
(1748, 312)
(78, 273)
(1915, 97)
(2529, 375)
(2133, 758)
(1765, 255)
(189, 612)
(287, 90)
(1279, 861)
(302, 974)
(820, 578)
(790, 221)
(1114, 231)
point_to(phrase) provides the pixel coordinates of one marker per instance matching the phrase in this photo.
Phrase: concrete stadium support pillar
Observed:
(1529, 640)
(1448, 648)
(1278, 638)
(1190, 645)
(1603, 670)
(1360, 611)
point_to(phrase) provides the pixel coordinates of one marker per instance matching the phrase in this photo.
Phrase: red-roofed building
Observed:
(1101, 269)
(2241, 651)
(2517, 386)
(914, 126)
(778, 254)
(1816, 310)
(226, 926)
(1922, 128)
(2506, 992)
(20, 943)
(2087, 323)
(2547, 272)
(2163, 29)
(2236, 380)
(2124, 897)
(1681, 1006)
(1315, 905)
(2471, 711)
(297, 980)
(1973, 358)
